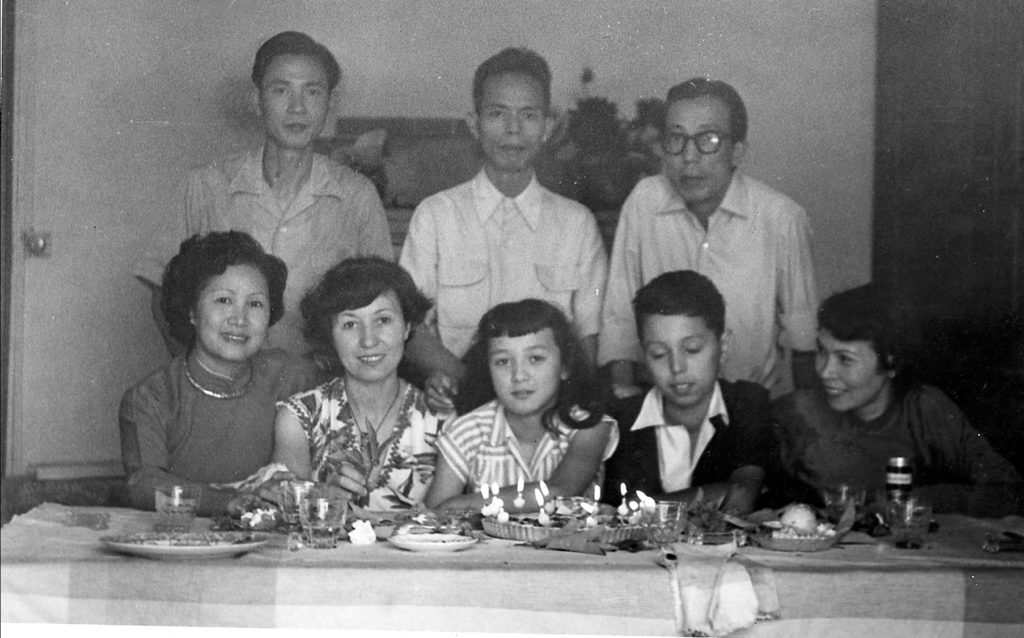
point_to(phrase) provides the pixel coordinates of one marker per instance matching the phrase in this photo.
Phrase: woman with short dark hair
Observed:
(871, 408)
(207, 417)
(367, 431)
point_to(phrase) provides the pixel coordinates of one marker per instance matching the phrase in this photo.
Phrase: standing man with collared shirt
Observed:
(701, 214)
(301, 206)
(501, 236)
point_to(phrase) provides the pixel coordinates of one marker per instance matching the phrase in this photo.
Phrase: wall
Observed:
(115, 100)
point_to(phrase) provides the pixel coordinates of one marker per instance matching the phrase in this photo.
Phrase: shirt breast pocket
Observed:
(558, 284)
(461, 292)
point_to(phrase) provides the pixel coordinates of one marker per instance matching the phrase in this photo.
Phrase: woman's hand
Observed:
(352, 481)
(270, 489)
(441, 391)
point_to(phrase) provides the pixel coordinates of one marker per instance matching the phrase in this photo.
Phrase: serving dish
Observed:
(185, 545)
(431, 542)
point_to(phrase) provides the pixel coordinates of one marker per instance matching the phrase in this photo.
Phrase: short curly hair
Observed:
(681, 292)
(202, 258)
(354, 283)
(295, 43)
(882, 317)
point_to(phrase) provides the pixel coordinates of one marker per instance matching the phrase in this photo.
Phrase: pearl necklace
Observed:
(217, 395)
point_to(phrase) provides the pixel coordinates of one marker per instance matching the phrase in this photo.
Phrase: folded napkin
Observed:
(715, 596)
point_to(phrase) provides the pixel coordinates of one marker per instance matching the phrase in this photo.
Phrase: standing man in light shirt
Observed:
(702, 214)
(501, 236)
(301, 206)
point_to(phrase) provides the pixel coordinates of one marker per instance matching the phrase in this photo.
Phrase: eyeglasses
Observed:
(707, 142)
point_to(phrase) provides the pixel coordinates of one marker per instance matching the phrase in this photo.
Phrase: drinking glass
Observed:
(291, 495)
(176, 507)
(322, 513)
(838, 497)
(909, 520)
(664, 523)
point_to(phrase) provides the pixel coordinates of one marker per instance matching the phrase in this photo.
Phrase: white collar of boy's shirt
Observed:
(489, 199)
(249, 178)
(734, 201)
(675, 458)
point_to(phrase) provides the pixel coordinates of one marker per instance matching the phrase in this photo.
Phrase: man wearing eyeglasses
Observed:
(702, 214)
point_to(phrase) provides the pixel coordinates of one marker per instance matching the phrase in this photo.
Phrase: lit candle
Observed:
(623, 509)
(485, 491)
(544, 519)
(519, 501)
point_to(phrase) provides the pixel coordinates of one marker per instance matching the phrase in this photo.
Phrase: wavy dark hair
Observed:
(354, 283)
(203, 257)
(681, 292)
(884, 319)
(295, 43)
(518, 318)
(519, 61)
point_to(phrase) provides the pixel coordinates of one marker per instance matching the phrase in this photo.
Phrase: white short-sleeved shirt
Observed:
(757, 252)
(465, 252)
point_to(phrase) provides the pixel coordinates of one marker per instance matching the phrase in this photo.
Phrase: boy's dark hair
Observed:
(295, 43)
(354, 283)
(520, 61)
(681, 292)
(518, 318)
(875, 314)
(704, 87)
(202, 258)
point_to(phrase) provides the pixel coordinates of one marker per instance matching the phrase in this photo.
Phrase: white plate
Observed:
(431, 542)
(185, 545)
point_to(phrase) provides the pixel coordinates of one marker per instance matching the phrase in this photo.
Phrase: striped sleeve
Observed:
(460, 442)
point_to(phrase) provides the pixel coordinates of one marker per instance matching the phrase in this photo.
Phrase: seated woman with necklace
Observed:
(207, 417)
(367, 431)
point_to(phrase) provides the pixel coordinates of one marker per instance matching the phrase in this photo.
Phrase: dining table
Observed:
(56, 571)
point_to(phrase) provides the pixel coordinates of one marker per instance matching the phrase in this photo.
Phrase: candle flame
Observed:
(519, 485)
(544, 489)
(597, 492)
(485, 491)
(622, 489)
(540, 498)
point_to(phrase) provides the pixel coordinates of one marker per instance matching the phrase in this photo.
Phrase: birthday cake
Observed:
(568, 516)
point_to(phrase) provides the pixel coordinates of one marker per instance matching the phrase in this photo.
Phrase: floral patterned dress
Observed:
(398, 470)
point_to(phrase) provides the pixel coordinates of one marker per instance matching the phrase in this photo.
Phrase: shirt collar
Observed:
(652, 415)
(734, 202)
(249, 179)
(489, 198)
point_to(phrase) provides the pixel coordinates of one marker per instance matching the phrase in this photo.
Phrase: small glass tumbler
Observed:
(322, 513)
(664, 523)
(838, 497)
(909, 520)
(291, 495)
(176, 507)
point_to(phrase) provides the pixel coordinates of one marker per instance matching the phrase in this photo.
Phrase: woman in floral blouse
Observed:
(367, 431)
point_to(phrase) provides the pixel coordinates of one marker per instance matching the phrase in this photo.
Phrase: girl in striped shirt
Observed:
(539, 416)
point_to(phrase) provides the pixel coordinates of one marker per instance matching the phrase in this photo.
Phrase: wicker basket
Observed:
(525, 532)
(517, 531)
